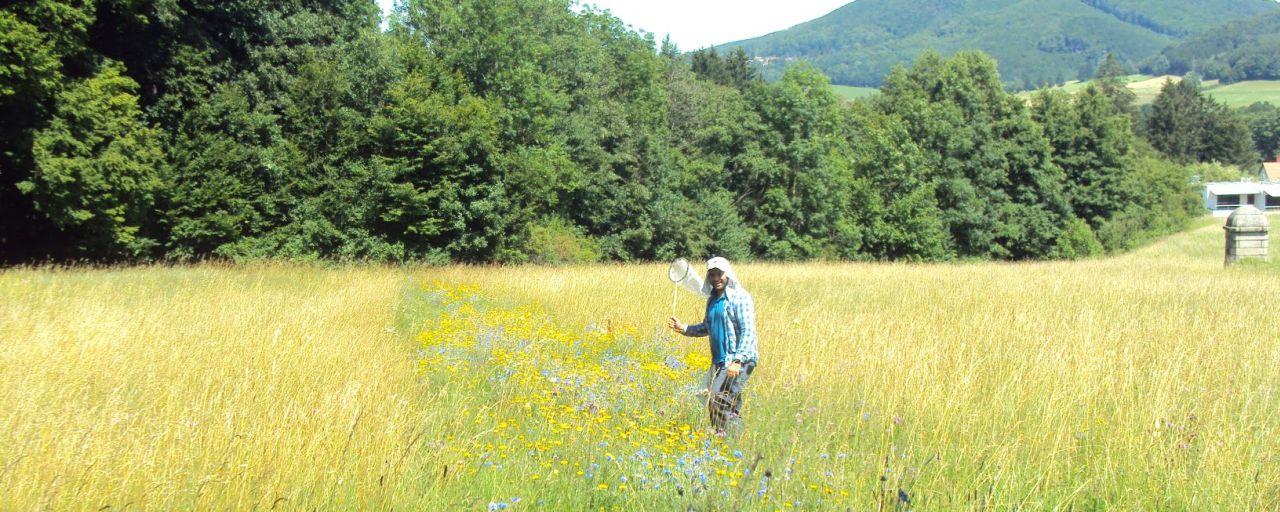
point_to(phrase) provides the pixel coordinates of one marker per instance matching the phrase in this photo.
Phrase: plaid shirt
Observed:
(742, 326)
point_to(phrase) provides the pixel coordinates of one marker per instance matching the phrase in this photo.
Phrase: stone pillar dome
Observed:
(1248, 218)
(1248, 234)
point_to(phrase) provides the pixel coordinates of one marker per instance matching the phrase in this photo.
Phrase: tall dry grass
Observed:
(1146, 381)
(205, 388)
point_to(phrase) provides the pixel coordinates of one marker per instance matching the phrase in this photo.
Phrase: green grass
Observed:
(852, 93)
(1079, 85)
(1147, 87)
(1243, 94)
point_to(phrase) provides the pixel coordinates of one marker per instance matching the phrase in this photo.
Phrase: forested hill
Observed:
(1247, 49)
(1035, 41)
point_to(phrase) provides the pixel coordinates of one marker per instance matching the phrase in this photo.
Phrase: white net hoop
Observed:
(679, 270)
(685, 276)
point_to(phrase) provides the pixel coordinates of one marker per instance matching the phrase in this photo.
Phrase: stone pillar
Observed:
(1248, 234)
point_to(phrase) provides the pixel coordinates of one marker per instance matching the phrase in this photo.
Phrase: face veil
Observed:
(731, 278)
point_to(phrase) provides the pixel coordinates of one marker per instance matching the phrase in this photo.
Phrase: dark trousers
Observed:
(724, 397)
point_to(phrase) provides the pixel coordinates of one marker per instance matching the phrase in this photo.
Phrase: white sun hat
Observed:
(730, 276)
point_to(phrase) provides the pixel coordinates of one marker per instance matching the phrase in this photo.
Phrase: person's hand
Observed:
(734, 369)
(676, 326)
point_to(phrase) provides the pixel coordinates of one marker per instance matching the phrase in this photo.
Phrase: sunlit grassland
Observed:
(1144, 87)
(1147, 87)
(1144, 381)
(1243, 94)
(208, 388)
(850, 92)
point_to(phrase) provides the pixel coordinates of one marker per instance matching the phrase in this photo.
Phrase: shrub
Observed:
(1077, 241)
(555, 241)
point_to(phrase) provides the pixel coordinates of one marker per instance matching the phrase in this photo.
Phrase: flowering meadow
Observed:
(1141, 382)
(599, 417)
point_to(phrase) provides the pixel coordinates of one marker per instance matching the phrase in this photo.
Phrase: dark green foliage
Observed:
(524, 131)
(1036, 42)
(1000, 193)
(576, 103)
(1128, 12)
(28, 66)
(1110, 80)
(1263, 120)
(1121, 192)
(715, 140)
(734, 69)
(1164, 202)
(894, 207)
(1192, 127)
(41, 48)
(799, 200)
(1175, 122)
(97, 167)
(276, 159)
(1091, 140)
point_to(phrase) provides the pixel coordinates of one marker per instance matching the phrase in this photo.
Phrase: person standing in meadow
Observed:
(730, 323)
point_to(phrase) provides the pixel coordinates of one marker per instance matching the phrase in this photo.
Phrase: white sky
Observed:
(694, 24)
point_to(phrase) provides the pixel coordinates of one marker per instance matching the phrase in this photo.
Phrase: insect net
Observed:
(684, 276)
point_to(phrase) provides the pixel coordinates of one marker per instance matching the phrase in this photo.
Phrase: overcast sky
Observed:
(695, 24)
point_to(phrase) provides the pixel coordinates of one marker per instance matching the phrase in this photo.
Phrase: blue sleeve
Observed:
(745, 326)
(697, 330)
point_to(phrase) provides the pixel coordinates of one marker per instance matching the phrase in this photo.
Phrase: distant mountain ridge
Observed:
(1036, 41)
(1247, 49)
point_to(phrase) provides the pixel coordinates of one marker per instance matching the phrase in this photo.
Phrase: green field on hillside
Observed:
(1147, 87)
(1243, 94)
(853, 93)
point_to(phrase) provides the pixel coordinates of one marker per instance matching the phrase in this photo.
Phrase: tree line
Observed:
(531, 130)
